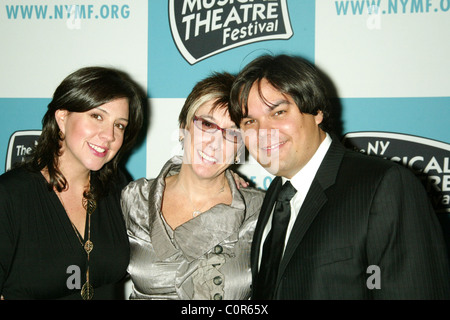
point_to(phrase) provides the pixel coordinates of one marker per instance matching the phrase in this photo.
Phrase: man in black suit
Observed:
(348, 226)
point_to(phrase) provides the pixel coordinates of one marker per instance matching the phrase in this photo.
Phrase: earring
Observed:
(181, 141)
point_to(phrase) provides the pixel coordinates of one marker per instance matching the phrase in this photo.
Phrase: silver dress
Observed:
(207, 257)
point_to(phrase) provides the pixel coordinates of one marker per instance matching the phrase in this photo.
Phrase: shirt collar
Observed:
(303, 179)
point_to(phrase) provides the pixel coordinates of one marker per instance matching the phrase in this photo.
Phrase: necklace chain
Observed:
(198, 211)
(87, 291)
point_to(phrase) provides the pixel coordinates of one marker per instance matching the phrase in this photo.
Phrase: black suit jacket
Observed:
(361, 213)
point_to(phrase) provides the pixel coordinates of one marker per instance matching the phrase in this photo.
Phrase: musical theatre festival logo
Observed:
(202, 29)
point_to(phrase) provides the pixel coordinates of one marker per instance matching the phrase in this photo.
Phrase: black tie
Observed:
(273, 248)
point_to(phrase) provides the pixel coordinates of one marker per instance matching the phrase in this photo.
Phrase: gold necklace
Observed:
(87, 290)
(197, 212)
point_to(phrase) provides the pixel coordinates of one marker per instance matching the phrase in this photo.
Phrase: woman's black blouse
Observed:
(41, 256)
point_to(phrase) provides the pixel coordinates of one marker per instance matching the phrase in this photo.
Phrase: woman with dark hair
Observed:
(62, 233)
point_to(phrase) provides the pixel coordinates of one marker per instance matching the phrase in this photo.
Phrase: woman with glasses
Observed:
(191, 228)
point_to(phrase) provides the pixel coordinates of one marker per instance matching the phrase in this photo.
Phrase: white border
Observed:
(10, 143)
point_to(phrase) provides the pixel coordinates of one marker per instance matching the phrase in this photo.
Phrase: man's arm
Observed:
(405, 240)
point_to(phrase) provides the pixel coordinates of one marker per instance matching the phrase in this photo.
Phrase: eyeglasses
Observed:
(211, 128)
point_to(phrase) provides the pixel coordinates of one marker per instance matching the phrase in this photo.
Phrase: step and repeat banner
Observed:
(387, 60)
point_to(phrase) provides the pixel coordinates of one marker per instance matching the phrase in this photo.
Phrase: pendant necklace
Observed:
(198, 211)
(87, 290)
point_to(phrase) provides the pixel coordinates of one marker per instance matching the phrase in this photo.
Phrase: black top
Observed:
(40, 252)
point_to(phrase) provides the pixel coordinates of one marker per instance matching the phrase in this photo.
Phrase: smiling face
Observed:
(277, 134)
(209, 154)
(94, 137)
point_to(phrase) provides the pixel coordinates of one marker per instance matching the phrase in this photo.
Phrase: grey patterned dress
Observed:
(207, 257)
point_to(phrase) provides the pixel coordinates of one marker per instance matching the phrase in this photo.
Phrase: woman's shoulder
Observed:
(17, 178)
(253, 198)
(138, 185)
(18, 185)
(252, 193)
(137, 189)
(135, 201)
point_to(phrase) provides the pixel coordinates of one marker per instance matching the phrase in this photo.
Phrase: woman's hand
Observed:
(240, 182)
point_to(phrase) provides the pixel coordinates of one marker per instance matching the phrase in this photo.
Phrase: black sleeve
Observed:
(9, 230)
(405, 240)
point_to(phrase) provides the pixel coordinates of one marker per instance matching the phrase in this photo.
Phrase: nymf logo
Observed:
(20, 146)
(202, 28)
(428, 159)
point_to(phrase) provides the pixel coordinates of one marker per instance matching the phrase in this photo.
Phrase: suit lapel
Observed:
(314, 200)
(266, 209)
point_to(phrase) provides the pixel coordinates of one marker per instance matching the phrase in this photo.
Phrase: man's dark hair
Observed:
(291, 76)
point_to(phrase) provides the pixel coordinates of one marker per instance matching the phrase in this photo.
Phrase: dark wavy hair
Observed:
(290, 75)
(83, 90)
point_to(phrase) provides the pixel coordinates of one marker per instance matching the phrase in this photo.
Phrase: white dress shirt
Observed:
(301, 182)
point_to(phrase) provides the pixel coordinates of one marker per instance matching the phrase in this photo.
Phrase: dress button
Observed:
(217, 280)
(217, 296)
(218, 249)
